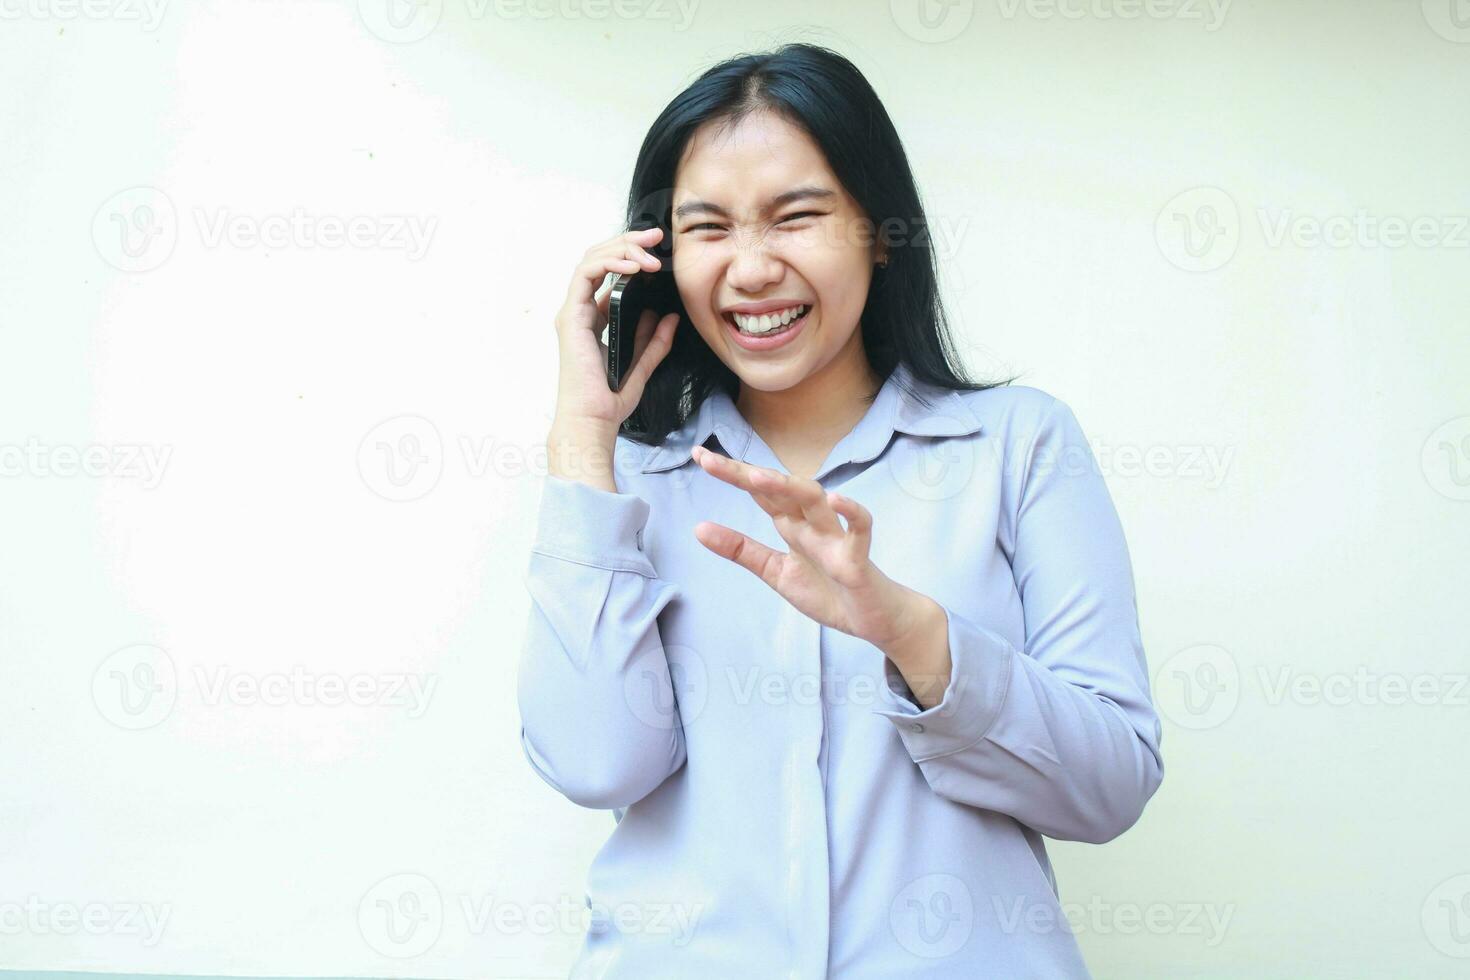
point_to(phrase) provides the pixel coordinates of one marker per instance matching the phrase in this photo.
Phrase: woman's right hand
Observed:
(584, 401)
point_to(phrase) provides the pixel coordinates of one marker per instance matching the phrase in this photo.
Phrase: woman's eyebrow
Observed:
(810, 192)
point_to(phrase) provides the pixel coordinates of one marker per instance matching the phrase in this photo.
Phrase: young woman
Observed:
(838, 636)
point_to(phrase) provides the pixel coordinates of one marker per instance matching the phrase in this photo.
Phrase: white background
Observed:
(328, 457)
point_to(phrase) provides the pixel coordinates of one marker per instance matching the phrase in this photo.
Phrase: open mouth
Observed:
(768, 338)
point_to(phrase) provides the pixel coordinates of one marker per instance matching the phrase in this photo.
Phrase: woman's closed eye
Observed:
(789, 217)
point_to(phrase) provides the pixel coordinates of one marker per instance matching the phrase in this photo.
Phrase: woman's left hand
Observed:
(827, 575)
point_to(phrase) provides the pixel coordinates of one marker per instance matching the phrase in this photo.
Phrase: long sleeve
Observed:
(599, 722)
(1062, 735)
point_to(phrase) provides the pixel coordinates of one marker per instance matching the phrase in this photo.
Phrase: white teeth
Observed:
(768, 322)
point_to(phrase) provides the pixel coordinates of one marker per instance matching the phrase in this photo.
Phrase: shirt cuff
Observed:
(590, 526)
(981, 663)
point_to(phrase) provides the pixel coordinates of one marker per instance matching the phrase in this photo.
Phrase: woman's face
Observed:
(737, 244)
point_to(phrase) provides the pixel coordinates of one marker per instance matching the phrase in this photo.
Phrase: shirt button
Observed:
(916, 727)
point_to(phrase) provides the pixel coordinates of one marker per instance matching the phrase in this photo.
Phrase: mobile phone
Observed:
(631, 295)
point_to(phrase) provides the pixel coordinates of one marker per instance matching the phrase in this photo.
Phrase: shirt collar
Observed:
(894, 410)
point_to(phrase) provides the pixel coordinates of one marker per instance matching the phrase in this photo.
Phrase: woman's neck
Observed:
(806, 420)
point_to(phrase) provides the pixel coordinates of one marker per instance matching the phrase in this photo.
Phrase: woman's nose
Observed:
(753, 268)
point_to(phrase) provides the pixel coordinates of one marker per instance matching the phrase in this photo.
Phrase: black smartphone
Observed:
(631, 295)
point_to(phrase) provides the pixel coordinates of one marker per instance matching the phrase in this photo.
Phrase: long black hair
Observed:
(823, 94)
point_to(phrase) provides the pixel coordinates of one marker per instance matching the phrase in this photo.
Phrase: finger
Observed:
(859, 521)
(763, 562)
(742, 475)
(647, 323)
(804, 498)
(622, 254)
(655, 348)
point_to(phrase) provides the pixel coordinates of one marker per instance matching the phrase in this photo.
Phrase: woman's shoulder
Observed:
(1014, 412)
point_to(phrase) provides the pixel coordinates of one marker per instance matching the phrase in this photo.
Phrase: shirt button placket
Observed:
(798, 653)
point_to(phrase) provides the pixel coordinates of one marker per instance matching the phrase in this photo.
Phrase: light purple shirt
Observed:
(783, 806)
